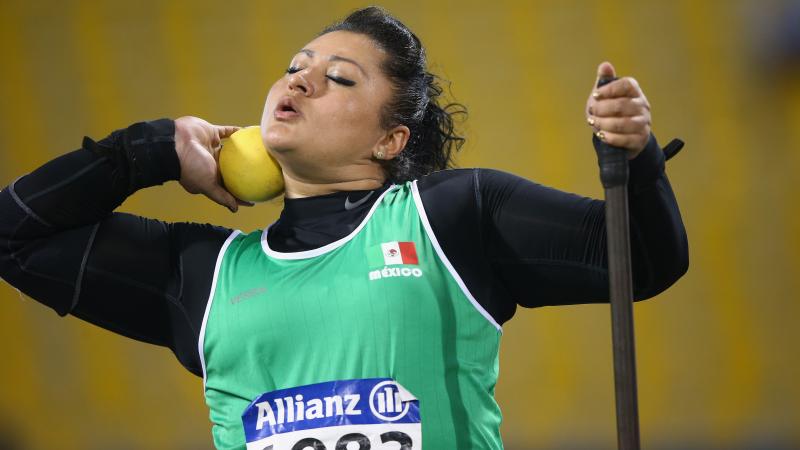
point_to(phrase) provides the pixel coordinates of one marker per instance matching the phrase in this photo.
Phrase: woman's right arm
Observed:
(62, 244)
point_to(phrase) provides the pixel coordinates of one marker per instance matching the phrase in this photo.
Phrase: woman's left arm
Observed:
(548, 247)
(517, 242)
(563, 258)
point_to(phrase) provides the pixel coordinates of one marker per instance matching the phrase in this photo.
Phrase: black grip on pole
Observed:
(613, 161)
(613, 164)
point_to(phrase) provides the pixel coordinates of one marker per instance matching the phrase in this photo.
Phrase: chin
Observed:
(276, 139)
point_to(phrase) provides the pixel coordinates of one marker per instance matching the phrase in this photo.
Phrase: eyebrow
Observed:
(310, 53)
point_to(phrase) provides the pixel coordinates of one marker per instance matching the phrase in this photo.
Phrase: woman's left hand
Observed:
(618, 112)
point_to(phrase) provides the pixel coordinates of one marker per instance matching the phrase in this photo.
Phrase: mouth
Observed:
(286, 109)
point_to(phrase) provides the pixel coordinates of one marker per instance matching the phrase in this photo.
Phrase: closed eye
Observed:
(342, 81)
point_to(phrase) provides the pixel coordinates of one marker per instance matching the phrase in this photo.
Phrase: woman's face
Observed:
(337, 89)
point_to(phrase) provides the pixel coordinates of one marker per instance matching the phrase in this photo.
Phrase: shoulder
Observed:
(472, 183)
(447, 192)
(200, 235)
(468, 175)
(457, 197)
(198, 245)
(444, 178)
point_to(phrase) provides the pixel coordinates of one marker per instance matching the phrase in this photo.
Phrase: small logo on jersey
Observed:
(348, 205)
(248, 294)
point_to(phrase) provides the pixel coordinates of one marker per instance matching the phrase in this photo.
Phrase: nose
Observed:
(298, 82)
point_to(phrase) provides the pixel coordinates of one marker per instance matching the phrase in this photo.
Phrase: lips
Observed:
(287, 109)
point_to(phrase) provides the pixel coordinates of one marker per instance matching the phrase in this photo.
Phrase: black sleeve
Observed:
(61, 244)
(516, 242)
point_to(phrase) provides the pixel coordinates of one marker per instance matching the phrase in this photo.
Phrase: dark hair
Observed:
(415, 102)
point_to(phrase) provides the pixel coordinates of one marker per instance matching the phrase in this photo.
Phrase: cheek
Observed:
(269, 103)
(356, 115)
(266, 116)
(347, 126)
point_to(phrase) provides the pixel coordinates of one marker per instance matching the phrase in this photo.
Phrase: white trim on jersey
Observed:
(424, 218)
(202, 338)
(325, 248)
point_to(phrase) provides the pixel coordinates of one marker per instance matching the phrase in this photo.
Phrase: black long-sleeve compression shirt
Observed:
(512, 241)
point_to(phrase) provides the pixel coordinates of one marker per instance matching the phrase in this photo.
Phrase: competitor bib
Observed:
(365, 414)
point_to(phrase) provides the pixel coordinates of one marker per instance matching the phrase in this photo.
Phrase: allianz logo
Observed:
(384, 403)
(292, 409)
(390, 272)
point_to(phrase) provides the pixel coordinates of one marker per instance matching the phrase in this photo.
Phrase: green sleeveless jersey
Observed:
(382, 303)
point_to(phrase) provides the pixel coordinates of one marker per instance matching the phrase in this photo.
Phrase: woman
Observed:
(371, 311)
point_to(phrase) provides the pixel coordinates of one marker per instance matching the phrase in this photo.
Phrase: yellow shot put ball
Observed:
(249, 172)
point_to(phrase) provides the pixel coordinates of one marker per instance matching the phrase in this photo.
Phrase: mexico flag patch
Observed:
(392, 253)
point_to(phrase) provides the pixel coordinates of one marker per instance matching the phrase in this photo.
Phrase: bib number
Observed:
(363, 442)
(367, 414)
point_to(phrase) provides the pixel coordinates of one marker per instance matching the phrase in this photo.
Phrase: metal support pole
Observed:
(613, 164)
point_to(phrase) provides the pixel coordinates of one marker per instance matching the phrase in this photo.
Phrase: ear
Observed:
(392, 143)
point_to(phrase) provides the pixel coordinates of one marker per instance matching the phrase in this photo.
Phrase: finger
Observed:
(245, 203)
(223, 197)
(604, 70)
(620, 125)
(624, 141)
(619, 107)
(216, 151)
(224, 131)
(623, 87)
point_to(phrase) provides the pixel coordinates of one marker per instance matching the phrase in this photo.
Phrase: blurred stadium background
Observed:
(717, 354)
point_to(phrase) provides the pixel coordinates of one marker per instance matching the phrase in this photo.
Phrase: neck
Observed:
(300, 188)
